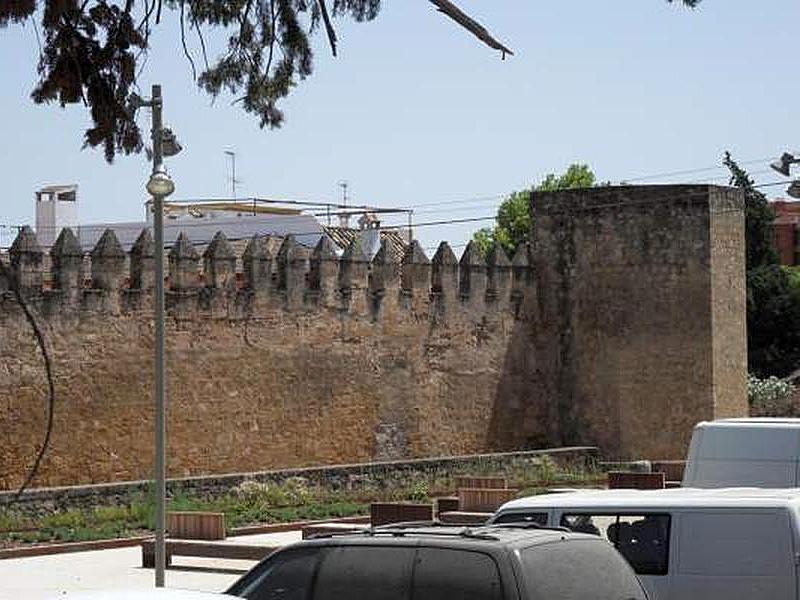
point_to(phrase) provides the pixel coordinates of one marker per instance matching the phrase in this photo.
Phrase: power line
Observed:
(693, 171)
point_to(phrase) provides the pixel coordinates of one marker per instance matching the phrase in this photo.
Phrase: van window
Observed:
(365, 573)
(578, 570)
(442, 574)
(735, 543)
(642, 539)
(287, 576)
(540, 518)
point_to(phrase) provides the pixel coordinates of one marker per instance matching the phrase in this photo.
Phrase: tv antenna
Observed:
(232, 176)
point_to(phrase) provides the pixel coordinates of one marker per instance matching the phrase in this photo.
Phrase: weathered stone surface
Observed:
(183, 259)
(293, 266)
(219, 263)
(385, 273)
(108, 263)
(416, 269)
(257, 265)
(26, 261)
(324, 274)
(142, 263)
(66, 263)
(499, 275)
(354, 267)
(640, 328)
(285, 389)
(472, 276)
(445, 274)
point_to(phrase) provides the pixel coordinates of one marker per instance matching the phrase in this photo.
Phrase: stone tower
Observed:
(640, 327)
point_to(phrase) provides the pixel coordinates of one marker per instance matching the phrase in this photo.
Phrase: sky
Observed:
(415, 112)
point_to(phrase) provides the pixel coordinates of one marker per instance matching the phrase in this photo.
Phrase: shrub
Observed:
(771, 397)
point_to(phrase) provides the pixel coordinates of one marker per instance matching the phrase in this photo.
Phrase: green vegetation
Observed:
(513, 225)
(257, 503)
(773, 292)
(771, 397)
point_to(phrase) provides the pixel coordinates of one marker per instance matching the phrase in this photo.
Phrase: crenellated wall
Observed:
(620, 326)
(304, 358)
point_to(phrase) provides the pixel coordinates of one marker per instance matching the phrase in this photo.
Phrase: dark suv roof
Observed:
(509, 535)
(418, 562)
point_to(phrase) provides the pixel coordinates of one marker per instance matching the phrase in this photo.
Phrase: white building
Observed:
(56, 208)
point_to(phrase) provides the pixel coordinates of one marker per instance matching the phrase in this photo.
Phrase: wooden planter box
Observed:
(672, 469)
(444, 505)
(636, 481)
(192, 525)
(385, 513)
(464, 518)
(476, 483)
(484, 499)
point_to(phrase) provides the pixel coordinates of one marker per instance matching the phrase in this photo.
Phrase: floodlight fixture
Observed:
(169, 143)
(794, 189)
(784, 164)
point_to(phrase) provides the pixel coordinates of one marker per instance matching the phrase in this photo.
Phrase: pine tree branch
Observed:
(479, 31)
(186, 52)
(328, 26)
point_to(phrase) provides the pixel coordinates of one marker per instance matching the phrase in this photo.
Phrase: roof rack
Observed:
(529, 525)
(403, 529)
(437, 528)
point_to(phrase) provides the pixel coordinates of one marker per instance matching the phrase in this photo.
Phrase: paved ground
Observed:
(62, 575)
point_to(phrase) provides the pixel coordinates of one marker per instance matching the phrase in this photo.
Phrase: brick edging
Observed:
(69, 547)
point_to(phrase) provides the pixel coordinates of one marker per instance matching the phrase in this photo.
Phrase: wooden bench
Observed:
(204, 549)
(196, 525)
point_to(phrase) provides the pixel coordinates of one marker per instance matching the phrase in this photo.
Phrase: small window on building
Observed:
(642, 539)
(540, 518)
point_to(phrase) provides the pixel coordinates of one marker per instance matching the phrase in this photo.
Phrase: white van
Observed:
(744, 453)
(687, 544)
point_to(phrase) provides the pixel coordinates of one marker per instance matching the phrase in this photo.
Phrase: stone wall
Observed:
(309, 360)
(641, 313)
(621, 327)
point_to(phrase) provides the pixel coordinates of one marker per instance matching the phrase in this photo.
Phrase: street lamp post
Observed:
(159, 187)
(158, 314)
